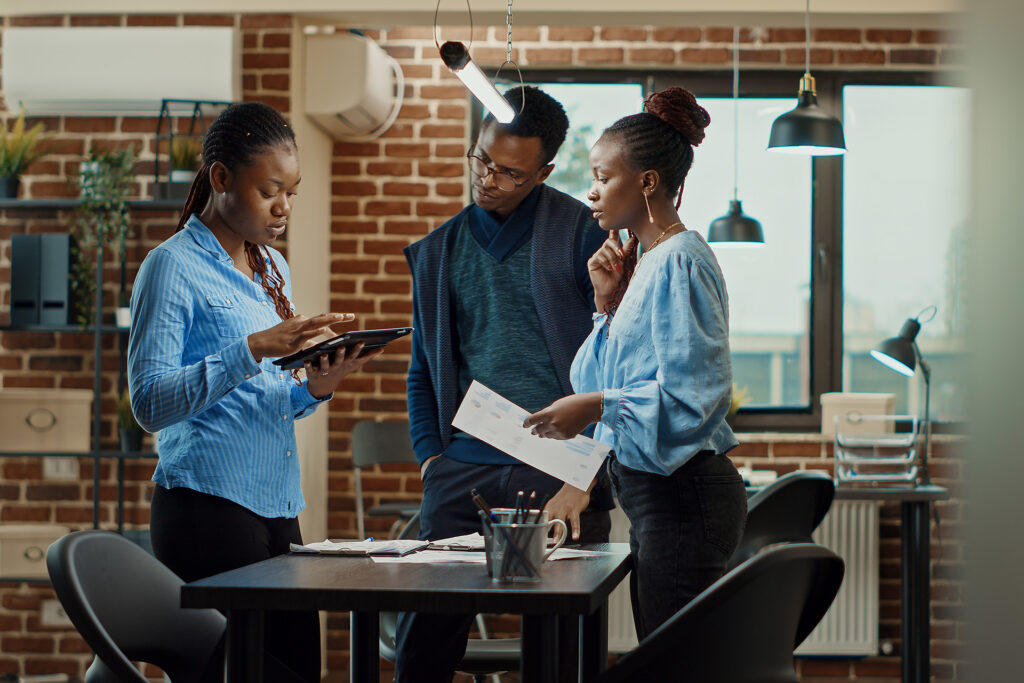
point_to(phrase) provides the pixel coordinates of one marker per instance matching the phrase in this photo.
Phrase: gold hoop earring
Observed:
(650, 216)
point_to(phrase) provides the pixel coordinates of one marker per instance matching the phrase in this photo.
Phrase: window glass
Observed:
(769, 286)
(904, 221)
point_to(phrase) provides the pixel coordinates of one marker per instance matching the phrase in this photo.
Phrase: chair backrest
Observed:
(126, 605)
(744, 627)
(376, 442)
(786, 511)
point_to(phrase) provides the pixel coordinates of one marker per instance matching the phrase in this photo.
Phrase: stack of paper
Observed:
(397, 547)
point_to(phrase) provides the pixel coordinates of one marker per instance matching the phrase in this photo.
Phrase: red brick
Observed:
(836, 35)
(387, 208)
(633, 34)
(345, 168)
(351, 188)
(52, 492)
(761, 56)
(419, 150)
(414, 32)
(786, 35)
(249, 82)
(449, 150)
(676, 34)
(451, 111)
(600, 55)
(275, 81)
(89, 124)
(383, 247)
(442, 130)
(344, 208)
(442, 92)
(23, 644)
(438, 208)
(95, 19)
(888, 36)
(573, 33)
(930, 36)
(436, 169)
(55, 363)
(860, 57)
(405, 189)
(27, 340)
(152, 20)
(356, 149)
(705, 55)
(399, 130)
(354, 227)
(549, 56)
(449, 189)
(395, 168)
(648, 55)
(375, 405)
(414, 111)
(912, 56)
(266, 60)
(277, 40)
(819, 55)
(724, 34)
(406, 227)
(37, 20)
(494, 56)
(209, 20)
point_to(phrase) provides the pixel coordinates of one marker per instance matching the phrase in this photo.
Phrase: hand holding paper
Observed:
(495, 420)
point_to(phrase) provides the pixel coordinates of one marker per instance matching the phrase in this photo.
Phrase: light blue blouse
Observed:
(226, 422)
(663, 362)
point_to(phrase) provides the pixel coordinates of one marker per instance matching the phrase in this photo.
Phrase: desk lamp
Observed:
(901, 353)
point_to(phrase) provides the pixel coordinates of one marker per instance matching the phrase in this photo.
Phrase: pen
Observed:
(529, 504)
(540, 508)
(517, 516)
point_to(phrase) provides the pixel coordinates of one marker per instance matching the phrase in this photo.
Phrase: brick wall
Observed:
(385, 194)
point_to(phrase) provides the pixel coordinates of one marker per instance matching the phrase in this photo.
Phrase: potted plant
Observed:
(123, 314)
(739, 397)
(128, 429)
(184, 155)
(101, 219)
(18, 149)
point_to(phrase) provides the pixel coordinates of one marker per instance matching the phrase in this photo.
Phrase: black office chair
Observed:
(484, 656)
(744, 627)
(380, 443)
(126, 605)
(786, 511)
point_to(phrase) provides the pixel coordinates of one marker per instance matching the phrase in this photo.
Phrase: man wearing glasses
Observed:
(501, 295)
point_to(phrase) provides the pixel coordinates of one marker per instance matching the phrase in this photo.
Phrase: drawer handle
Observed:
(34, 553)
(41, 419)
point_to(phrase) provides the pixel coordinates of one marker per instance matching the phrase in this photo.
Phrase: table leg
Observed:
(539, 656)
(244, 646)
(364, 647)
(594, 643)
(916, 598)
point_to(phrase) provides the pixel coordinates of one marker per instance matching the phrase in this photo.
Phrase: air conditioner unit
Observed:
(109, 71)
(353, 88)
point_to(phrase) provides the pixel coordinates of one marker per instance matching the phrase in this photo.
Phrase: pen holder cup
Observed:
(517, 551)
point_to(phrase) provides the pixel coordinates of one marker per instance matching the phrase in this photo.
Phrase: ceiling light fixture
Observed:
(736, 229)
(807, 129)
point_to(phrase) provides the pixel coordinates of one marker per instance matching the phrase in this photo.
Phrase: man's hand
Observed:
(567, 504)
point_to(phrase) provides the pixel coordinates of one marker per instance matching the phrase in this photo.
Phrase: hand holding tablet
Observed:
(371, 339)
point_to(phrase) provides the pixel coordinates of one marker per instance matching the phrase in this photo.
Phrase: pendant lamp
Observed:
(807, 129)
(455, 56)
(735, 229)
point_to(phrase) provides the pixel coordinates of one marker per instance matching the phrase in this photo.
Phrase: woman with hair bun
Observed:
(655, 373)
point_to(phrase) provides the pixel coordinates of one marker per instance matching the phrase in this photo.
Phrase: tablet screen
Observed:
(372, 339)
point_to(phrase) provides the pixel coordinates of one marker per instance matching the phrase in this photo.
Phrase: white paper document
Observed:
(495, 420)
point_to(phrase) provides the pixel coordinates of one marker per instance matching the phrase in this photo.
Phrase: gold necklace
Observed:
(655, 242)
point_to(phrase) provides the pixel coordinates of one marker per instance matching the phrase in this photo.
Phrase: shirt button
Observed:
(227, 301)
(247, 375)
(284, 417)
(264, 303)
(288, 453)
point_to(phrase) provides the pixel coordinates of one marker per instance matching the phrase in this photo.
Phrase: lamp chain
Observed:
(508, 33)
(735, 111)
(807, 37)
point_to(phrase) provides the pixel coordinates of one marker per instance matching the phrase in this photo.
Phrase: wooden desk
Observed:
(915, 548)
(569, 589)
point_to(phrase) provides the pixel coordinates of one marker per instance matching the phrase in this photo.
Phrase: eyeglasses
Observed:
(503, 180)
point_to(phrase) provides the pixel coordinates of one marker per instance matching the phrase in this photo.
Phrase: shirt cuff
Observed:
(240, 363)
(302, 400)
(612, 401)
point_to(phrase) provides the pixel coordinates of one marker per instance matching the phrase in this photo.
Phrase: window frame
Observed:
(826, 266)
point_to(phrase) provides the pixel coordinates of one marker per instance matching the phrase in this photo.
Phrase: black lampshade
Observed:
(897, 353)
(736, 228)
(807, 129)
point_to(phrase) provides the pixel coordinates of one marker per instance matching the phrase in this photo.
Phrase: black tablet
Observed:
(372, 339)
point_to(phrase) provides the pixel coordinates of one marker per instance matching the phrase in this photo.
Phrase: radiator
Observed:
(850, 627)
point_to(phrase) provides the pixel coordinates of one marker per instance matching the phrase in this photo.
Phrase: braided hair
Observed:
(241, 132)
(660, 138)
(538, 115)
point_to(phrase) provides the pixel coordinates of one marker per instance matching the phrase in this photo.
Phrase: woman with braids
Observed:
(655, 373)
(210, 310)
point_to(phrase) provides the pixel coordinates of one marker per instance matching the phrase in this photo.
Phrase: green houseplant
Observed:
(19, 148)
(128, 429)
(101, 221)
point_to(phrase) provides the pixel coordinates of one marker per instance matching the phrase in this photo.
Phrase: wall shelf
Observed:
(70, 204)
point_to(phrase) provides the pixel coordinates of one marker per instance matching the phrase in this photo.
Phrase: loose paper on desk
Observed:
(494, 419)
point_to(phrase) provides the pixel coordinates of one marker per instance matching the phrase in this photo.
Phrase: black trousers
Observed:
(198, 535)
(430, 646)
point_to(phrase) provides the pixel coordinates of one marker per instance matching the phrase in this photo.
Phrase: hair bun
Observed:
(678, 107)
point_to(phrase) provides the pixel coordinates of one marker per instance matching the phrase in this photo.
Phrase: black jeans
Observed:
(683, 529)
(429, 646)
(198, 535)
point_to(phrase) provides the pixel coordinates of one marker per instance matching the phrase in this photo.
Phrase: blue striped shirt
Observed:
(226, 422)
(663, 363)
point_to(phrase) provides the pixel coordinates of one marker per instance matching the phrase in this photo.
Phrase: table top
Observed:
(333, 582)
